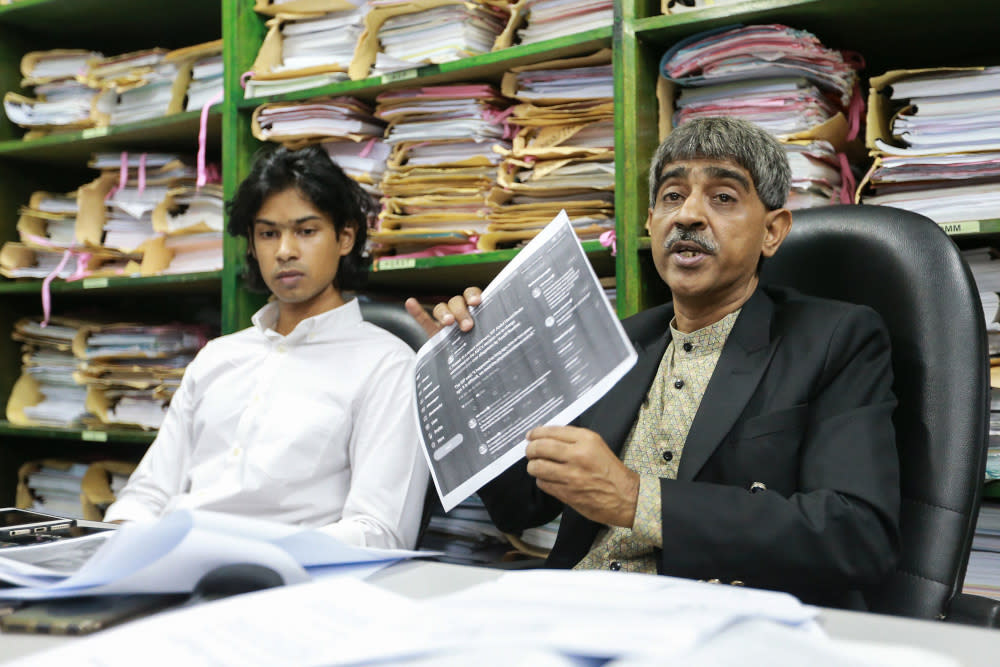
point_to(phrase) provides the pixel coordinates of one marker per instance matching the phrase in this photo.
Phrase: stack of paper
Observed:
(132, 371)
(465, 535)
(206, 73)
(983, 574)
(342, 118)
(325, 40)
(306, 46)
(47, 394)
(816, 175)
(444, 143)
(783, 80)
(562, 157)
(364, 162)
(548, 19)
(55, 489)
(441, 34)
(400, 34)
(936, 142)
(985, 268)
(61, 98)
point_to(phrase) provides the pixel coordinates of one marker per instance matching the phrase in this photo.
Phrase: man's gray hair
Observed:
(731, 139)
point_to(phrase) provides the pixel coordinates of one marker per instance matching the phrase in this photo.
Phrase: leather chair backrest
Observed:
(906, 268)
(394, 319)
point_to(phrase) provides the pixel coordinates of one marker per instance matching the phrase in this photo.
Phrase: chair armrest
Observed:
(975, 610)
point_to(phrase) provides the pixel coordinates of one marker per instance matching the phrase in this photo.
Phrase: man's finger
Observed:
(460, 311)
(473, 296)
(561, 433)
(552, 450)
(418, 313)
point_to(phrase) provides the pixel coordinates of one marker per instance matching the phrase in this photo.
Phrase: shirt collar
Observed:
(707, 340)
(317, 327)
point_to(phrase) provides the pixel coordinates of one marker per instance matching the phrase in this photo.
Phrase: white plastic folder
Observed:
(171, 554)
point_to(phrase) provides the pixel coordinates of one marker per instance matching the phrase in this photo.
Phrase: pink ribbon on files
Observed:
(122, 175)
(203, 175)
(848, 184)
(142, 172)
(609, 240)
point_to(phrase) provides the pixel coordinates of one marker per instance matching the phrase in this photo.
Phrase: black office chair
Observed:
(393, 318)
(906, 268)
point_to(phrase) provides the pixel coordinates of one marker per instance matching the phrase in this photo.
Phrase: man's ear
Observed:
(346, 238)
(777, 224)
(649, 216)
(251, 251)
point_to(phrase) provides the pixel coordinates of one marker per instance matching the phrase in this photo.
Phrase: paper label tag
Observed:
(94, 436)
(390, 264)
(94, 283)
(402, 75)
(968, 227)
(92, 132)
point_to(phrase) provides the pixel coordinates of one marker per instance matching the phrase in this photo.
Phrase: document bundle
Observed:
(71, 488)
(125, 222)
(562, 156)
(549, 19)
(79, 372)
(78, 89)
(936, 143)
(983, 574)
(782, 79)
(443, 164)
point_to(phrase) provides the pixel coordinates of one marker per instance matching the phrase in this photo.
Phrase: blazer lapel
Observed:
(744, 359)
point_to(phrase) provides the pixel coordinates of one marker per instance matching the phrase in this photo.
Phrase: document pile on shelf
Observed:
(680, 6)
(61, 99)
(562, 156)
(985, 266)
(782, 79)
(52, 487)
(206, 82)
(465, 535)
(138, 85)
(443, 163)
(400, 34)
(298, 123)
(364, 162)
(935, 137)
(78, 372)
(548, 19)
(307, 45)
(983, 574)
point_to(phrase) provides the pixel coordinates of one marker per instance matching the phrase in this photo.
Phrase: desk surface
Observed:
(972, 647)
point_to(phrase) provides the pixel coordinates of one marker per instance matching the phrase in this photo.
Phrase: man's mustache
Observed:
(683, 234)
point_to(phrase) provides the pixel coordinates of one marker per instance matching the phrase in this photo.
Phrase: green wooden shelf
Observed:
(439, 273)
(971, 227)
(184, 282)
(87, 436)
(992, 490)
(126, 24)
(175, 132)
(487, 66)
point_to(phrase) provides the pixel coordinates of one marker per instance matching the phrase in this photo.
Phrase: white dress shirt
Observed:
(316, 428)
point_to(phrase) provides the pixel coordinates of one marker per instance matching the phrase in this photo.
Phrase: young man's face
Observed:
(298, 250)
(709, 228)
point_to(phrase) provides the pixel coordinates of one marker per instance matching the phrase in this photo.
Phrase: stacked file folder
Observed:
(53, 487)
(81, 372)
(445, 142)
(307, 45)
(138, 85)
(936, 143)
(549, 19)
(206, 80)
(401, 34)
(783, 80)
(562, 156)
(985, 265)
(62, 100)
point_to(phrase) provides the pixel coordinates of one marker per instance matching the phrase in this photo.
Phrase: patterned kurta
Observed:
(655, 445)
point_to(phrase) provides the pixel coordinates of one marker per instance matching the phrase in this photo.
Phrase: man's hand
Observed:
(576, 466)
(446, 314)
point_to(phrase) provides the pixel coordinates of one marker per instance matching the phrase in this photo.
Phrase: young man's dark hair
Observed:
(311, 171)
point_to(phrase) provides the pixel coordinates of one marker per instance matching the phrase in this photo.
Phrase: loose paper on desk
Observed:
(545, 347)
(171, 554)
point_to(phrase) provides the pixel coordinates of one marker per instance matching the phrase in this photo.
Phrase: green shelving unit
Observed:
(890, 34)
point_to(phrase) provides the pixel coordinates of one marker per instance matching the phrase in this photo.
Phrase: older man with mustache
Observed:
(752, 443)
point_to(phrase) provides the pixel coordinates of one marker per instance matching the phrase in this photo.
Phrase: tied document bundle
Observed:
(546, 345)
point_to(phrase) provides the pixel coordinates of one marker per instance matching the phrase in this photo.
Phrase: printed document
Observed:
(545, 347)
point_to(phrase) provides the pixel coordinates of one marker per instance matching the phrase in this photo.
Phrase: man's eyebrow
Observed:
(297, 221)
(731, 174)
(675, 172)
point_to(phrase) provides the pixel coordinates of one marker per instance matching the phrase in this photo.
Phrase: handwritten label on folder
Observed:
(402, 75)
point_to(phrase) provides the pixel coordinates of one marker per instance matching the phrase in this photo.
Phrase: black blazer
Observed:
(800, 402)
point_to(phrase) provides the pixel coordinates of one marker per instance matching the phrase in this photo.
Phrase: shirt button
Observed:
(281, 349)
(688, 347)
(668, 455)
(678, 384)
(236, 451)
(614, 566)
